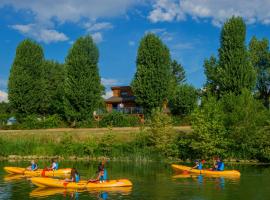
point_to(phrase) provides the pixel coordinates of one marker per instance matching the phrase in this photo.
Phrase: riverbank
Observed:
(127, 143)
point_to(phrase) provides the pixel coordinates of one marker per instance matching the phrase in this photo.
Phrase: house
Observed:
(123, 100)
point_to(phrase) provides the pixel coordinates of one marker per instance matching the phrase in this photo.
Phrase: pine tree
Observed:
(151, 83)
(24, 82)
(83, 87)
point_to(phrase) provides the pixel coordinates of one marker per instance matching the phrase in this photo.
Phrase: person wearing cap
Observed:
(198, 165)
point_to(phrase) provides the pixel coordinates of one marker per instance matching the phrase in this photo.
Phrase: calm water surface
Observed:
(150, 181)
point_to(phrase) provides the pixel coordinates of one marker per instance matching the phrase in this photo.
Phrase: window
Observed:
(124, 93)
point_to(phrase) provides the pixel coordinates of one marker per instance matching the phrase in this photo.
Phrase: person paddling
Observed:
(74, 176)
(54, 165)
(33, 166)
(198, 165)
(101, 173)
(219, 165)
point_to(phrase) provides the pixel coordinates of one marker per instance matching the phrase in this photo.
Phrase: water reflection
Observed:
(103, 193)
(13, 177)
(219, 181)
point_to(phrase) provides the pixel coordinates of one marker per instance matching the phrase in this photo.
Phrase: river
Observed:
(151, 180)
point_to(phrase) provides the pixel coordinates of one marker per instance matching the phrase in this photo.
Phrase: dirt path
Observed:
(89, 130)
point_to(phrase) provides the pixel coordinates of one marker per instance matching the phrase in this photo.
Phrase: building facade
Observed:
(123, 100)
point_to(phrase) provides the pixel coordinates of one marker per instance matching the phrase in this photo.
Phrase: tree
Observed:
(24, 81)
(260, 58)
(184, 101)
(52, 83)
(178, 72)
(209, 132)
(83, 87)
(233, 71)
(152, 81)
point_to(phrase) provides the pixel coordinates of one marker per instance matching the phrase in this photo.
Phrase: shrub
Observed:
(118, 119)
(161, 133)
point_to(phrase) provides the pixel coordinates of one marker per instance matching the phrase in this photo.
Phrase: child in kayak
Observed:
(101, 173)
(219, 165)
(198, 164)
(33, 166)
(54, 165)
(74, 176)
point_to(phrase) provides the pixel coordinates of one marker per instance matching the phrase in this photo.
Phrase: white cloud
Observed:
(256, 11)
(162, 33)
(72, 10)
(97, 37)
(40, 34)
(108, 94)
(166, 10)
(47, 14)
(107, 82)
(3, 96)
(92, 27)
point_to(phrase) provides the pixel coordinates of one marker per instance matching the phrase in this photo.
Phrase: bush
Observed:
(161, 134)
(37, 122)
(117, 119)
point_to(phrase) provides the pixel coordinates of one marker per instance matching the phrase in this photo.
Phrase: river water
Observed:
(150, 181)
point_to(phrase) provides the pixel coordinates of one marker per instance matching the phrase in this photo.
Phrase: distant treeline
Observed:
(72, 91)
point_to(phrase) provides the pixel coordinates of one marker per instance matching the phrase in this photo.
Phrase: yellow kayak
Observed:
(229, 173)
(39, 172)
(50, 182)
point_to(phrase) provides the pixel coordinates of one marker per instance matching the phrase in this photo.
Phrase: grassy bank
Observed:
(124, 143)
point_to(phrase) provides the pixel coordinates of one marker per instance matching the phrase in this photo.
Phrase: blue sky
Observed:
(190, 28)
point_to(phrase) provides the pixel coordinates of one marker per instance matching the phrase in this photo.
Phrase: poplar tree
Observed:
(24, 81)
(233, 71)
(151, 83)
(52, 82)
(83, 87)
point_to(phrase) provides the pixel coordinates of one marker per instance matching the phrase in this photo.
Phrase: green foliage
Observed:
(24, 81)
(161, 134)
(208, 129)
(152, 81)
(4, 113)
(260, 58)
(83, 88)
(106, 144)
(184, 100)
(52, 83)
(117, 119)
(178, 72)
(233, 71)
(245, 119)
(36, 122)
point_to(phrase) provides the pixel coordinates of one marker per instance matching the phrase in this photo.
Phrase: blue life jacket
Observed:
(220, 166)
(56, 166)
(104, 177)
(33, 166)
(77, 178)
(200, 166)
